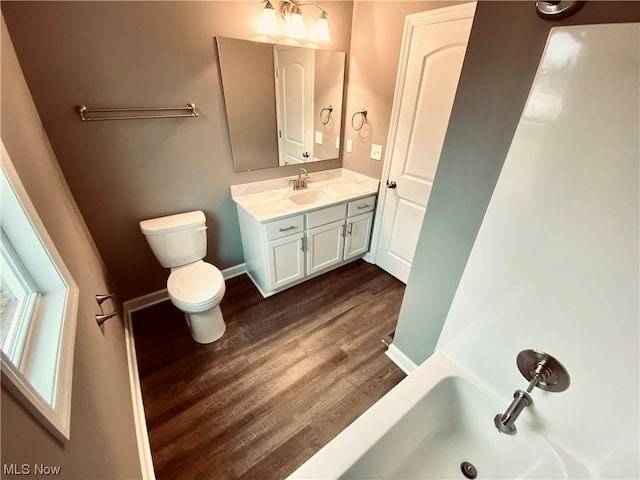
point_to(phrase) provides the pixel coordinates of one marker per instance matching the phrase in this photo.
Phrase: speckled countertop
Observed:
(269, 200)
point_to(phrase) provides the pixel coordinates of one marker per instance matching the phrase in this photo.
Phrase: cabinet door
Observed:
(286, 260)
(358, 235)
(325, 246)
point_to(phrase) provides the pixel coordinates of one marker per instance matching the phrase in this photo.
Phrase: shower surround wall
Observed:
(555, 264)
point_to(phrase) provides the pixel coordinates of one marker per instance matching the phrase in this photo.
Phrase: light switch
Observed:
(376, 151)
(319, 138)
(337, 143)
(349, 146)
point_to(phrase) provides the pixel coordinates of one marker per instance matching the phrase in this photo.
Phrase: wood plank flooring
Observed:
(290, 373)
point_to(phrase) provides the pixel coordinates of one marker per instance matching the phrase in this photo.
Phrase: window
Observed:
(18, 297)
(38, 309)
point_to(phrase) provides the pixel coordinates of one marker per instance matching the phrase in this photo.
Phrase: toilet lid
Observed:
(195, 283)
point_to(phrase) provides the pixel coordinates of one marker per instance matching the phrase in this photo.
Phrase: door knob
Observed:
(391, 184)
(305, 154)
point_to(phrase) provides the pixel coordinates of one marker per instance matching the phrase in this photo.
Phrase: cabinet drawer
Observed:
(284, 227)
(361, 205)
(325, 215)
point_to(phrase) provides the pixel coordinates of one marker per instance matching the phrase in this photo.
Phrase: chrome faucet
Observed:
(301, 182)
(543, 371)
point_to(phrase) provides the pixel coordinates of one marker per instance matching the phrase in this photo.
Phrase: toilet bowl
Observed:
(195, 287)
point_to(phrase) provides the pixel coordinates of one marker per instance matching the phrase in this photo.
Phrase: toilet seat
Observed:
(196, 287)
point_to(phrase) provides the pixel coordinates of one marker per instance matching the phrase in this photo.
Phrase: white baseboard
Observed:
(130, 306)
(236, 271)
(142, 435)
(400, 359)
(145, 301)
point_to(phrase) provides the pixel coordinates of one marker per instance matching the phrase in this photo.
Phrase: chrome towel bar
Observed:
(86, 114)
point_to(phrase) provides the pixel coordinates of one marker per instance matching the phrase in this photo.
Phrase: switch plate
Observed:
(337, 143)
(376, 151)
(319, 138)
(349, 146)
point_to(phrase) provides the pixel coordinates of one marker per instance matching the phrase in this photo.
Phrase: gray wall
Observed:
(103, 442)
(376, 39)
(143, 54)
(505, 46)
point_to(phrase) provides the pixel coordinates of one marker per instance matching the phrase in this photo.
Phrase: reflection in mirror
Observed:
(283, 103)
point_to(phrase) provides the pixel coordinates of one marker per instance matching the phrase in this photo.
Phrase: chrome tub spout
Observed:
(543, 371)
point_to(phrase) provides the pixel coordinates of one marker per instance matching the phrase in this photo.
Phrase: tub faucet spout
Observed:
(543, 371)
(506, 422)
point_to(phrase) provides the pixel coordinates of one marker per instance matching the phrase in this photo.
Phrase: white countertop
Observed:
(268, 200)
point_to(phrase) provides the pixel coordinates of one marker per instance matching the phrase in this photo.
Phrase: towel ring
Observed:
(363, 114)
(327, 109)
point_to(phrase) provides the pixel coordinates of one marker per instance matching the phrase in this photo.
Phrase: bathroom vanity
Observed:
(289, 236)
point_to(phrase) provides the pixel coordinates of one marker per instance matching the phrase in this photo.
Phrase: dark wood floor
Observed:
(290, 373)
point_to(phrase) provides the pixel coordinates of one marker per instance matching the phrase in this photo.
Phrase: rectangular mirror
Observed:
(283, 102)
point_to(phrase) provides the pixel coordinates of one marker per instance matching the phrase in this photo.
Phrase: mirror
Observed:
(283, 102)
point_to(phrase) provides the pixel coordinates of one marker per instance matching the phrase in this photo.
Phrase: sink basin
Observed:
(452, 424)
(309, 196)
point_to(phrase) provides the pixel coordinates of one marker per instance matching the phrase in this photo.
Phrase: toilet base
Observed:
(206, 327)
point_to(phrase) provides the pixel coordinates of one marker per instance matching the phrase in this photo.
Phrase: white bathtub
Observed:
(428, 425)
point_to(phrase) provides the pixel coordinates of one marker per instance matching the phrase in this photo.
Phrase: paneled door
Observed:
(431, 59)
(294, 71)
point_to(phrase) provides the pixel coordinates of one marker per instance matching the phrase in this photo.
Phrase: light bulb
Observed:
(268, 24)
(320, 31)
(294, 26)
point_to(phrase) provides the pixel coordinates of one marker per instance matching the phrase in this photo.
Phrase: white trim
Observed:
(129, 307)
(142, 435)
(145, 301)
(236, 271)
(400, 359)
(53, 408)
(454, 12)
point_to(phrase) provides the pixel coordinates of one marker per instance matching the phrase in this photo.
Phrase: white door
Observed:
(294, 71)
(434, 46)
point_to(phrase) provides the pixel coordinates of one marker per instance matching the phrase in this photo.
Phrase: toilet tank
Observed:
(177, 240)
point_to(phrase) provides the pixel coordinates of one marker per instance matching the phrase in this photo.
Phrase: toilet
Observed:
(179, 242)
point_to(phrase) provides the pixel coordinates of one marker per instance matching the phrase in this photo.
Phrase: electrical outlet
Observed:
(349, 146)
(376, 151)
(319, 138)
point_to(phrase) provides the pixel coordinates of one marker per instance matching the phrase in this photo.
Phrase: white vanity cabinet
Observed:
(283, 252)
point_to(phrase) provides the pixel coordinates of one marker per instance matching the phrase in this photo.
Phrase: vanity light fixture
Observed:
(294, 27)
